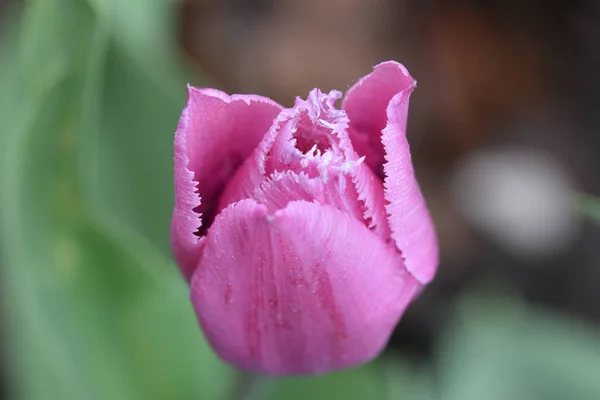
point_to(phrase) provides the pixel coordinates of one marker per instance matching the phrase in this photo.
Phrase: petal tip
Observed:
(206, 92)
(394, 65)
(223, 96)
(388, 78)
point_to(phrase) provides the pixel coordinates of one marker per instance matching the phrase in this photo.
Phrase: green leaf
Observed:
(589, 206)
(145, 30)
(45, 258)
(161, 337)
(126, 151)
(55, 37)
(94, 307)
(383, 379)
(127, 154)
(502, 350)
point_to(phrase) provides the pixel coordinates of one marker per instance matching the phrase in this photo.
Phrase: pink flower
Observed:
(303, 231)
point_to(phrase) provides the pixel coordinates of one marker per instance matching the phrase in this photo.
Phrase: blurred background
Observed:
(504, 131)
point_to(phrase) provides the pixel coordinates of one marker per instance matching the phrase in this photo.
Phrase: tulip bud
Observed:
(303, 231)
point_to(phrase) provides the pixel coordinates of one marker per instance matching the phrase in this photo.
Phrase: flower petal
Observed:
(215, 134)
(285, 187)
(287, 145)
(305, 290)
(412, 227)
(369, 189)
(311, 140)
(366, 104)
(380, 100)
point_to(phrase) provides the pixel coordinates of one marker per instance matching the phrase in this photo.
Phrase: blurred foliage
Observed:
(589, 206)
(94, 308)
(500, 349)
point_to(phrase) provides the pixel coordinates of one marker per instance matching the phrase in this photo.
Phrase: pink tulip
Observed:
(303, 231)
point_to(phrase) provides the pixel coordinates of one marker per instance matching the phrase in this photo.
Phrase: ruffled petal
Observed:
(311, 140)
(285, 187)
(215, 134)
(304, 290)
(377, 106)
(366, 104)
(288, 146)
(369, 190)
(410, 221)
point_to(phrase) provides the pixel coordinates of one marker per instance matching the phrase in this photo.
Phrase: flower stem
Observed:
(252, 387)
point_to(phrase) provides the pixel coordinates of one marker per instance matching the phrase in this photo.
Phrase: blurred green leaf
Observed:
(382, 380)
(502, 350)
(10, 95)
(145, 31)
(126, 154)
(160, 333)
(589, 206)
(95, 308)
(44, 255)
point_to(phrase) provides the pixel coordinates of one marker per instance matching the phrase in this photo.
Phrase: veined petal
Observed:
(215, 134)
(366, 103)
(285, 187)
(304, 290)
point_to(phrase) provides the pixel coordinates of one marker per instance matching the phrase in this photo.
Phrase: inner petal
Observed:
(311, 141)
(310, 137)
(285, 187)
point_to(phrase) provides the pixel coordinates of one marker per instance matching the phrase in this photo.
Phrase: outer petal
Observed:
(380, 100)
(215, 134)
(366, 104)
(410, 221)
(305, 290)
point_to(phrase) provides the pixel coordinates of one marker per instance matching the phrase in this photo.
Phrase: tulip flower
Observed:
(302, 231)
